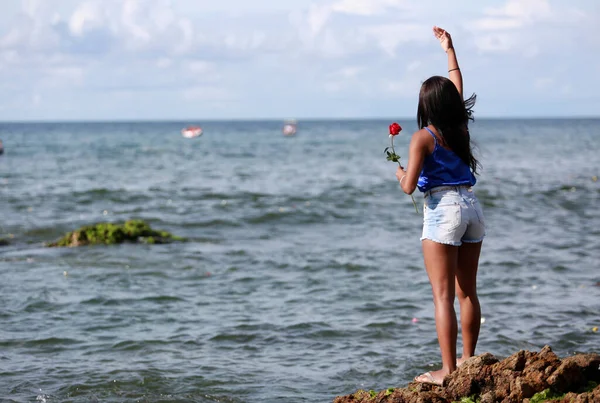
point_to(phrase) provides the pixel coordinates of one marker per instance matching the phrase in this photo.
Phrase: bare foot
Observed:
(433, 377)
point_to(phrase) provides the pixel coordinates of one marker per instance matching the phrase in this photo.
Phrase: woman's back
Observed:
(443, 167)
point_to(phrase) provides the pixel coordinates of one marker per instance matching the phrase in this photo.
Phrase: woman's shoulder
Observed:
(424, 134)
(424, 138)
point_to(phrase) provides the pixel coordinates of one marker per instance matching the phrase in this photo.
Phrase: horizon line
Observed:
(276, 119)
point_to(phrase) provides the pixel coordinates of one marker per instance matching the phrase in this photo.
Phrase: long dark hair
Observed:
(441, 105)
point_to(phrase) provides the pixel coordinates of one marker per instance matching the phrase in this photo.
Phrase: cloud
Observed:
(497, 23)
(32, 28)
(525, 27)
(514, 14)
(366, 7)
(501, 29)
(522, 10)
(110, 25)
(389, 37)
(87, 17)
(314, 55)
(319, 15)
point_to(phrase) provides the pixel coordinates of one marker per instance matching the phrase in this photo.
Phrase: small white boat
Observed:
(289, 127)
(191, 132)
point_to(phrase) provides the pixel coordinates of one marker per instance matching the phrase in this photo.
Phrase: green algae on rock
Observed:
(544, 396)
(106, 233)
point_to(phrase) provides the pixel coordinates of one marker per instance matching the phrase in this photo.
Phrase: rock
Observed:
(575, 372)
(404, 395)
(111, 233)
(471, 378)
(525, 376)
(488, 397)
(515, 362)
(592, 396)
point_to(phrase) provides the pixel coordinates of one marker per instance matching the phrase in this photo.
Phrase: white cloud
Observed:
(86, 17)
(343, 79)
(497, 23)
(366, 7)
(501, 28)
(32, 28)
(522, 10)
(187, 36)
(524, 26)
(319, 14)
(389, 37)
(317, 17)
(250, 41)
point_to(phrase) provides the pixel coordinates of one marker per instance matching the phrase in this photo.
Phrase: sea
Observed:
(302, 276)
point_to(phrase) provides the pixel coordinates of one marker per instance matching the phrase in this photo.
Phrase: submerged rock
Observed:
(111, 233)
(525, 376)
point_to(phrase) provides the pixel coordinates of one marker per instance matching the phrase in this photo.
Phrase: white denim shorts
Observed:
(452, 215)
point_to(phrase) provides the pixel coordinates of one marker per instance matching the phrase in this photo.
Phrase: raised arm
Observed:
(454, 73)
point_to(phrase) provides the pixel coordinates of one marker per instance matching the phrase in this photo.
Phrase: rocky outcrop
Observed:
(529, 377)
(111, 233)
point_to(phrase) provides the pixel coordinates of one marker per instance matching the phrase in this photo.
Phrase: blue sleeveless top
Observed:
(444, 168)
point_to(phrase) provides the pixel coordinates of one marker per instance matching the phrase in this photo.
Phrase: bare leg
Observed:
(466, 289)
(441, 262)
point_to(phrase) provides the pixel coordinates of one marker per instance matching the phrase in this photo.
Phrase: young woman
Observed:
(441, 164)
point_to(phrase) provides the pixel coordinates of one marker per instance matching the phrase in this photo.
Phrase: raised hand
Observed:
(444, 37)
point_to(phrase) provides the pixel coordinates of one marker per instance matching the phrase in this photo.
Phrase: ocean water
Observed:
(302, 277)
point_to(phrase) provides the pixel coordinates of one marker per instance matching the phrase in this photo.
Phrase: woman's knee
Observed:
(443, 297)
(470, 295)
(465, 288)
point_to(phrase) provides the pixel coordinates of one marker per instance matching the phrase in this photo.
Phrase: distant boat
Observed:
(290, 127)
(1, 148)
(191, 132)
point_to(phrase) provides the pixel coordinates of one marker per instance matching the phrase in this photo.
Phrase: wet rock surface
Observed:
(530, 377)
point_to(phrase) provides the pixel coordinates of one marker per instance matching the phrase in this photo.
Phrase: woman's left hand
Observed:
(400, 173)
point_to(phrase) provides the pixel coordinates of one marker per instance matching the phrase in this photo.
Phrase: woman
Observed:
(441, 164)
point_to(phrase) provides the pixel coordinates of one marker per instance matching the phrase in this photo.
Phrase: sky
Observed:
(255, 59)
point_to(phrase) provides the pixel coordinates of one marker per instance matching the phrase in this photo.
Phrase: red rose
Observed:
(395, 129)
